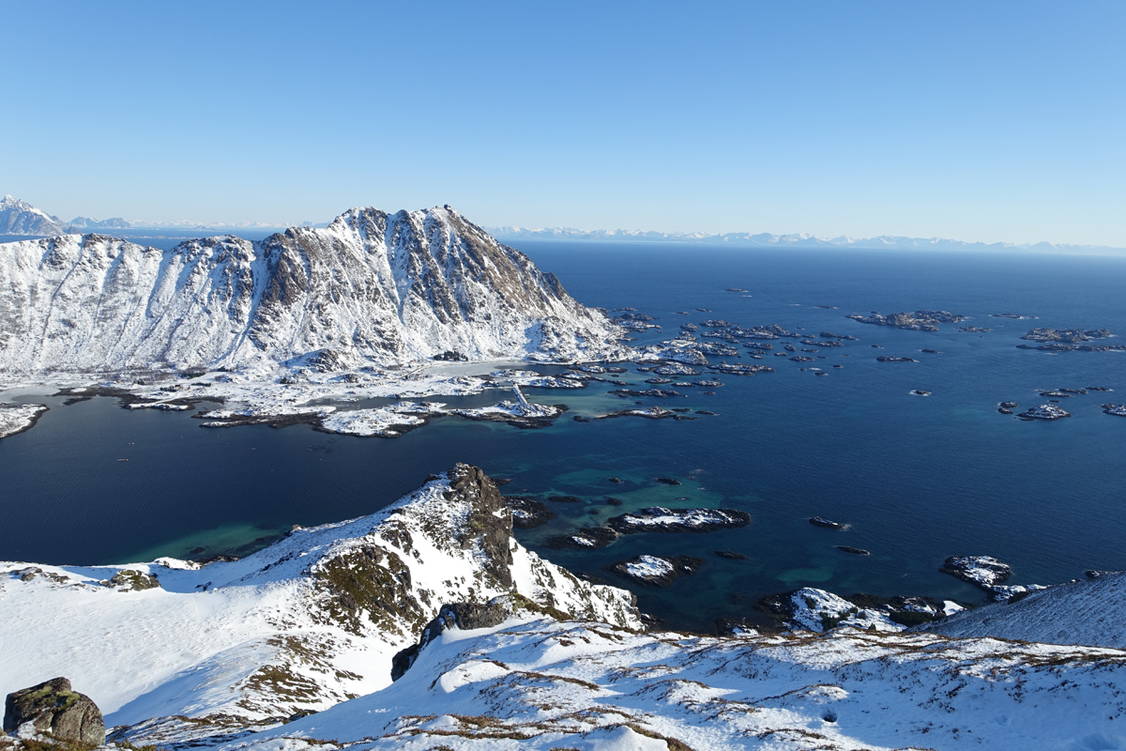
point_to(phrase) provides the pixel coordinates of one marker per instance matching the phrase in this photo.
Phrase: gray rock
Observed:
(469, 615)
(55, 709)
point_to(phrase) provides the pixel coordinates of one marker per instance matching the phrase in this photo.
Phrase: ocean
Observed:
(915, 478)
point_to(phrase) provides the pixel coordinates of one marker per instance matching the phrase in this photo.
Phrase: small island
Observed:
(657, 570)
(820, 521)
(1044, 412)
(1066, 336)
(919, 320)
(661, 519)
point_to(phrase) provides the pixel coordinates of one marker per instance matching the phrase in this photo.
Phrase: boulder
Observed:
(54, 709)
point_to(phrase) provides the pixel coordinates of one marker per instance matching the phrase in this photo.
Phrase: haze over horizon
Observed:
(514, 232)
(979, 123)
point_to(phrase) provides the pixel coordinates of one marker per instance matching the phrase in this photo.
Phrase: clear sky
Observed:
(999, 120)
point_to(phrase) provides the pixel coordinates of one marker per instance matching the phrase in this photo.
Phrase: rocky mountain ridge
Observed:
(176, 652)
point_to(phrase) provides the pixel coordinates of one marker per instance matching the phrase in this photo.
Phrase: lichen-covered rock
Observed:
(131, 580)
(54, 709)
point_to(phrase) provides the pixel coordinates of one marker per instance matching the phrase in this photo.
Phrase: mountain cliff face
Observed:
(175, 651)
(21, 218)
(372, 288)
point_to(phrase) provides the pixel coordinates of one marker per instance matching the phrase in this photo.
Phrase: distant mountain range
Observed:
(793, 240)
(85, 222)
(18, 217)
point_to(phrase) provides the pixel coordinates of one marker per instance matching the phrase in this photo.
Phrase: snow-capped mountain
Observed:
(178, 651)
(21, 218)
(372, 289)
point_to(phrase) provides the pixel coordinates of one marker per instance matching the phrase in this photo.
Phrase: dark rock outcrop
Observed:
(981, 570)
(585, 539)
(55, 709)
(820, 521)
(527, 512)
(489, 522)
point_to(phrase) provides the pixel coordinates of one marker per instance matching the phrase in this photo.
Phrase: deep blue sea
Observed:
(917, 479)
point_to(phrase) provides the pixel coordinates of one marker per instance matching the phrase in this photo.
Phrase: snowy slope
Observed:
(21, 218)
(542, 684)
(1082, 612)
(309, 621)
(371, 289)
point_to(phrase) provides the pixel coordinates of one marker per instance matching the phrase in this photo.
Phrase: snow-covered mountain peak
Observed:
(373, 288)
(18, 217)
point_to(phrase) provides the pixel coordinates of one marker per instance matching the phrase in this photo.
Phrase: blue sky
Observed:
(982, 121)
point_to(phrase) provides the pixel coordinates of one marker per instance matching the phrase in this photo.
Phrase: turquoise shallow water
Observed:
(916, 478)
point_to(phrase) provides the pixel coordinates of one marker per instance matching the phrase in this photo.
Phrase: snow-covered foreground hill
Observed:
(181, 651)
(544, 684)
(295, 647)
